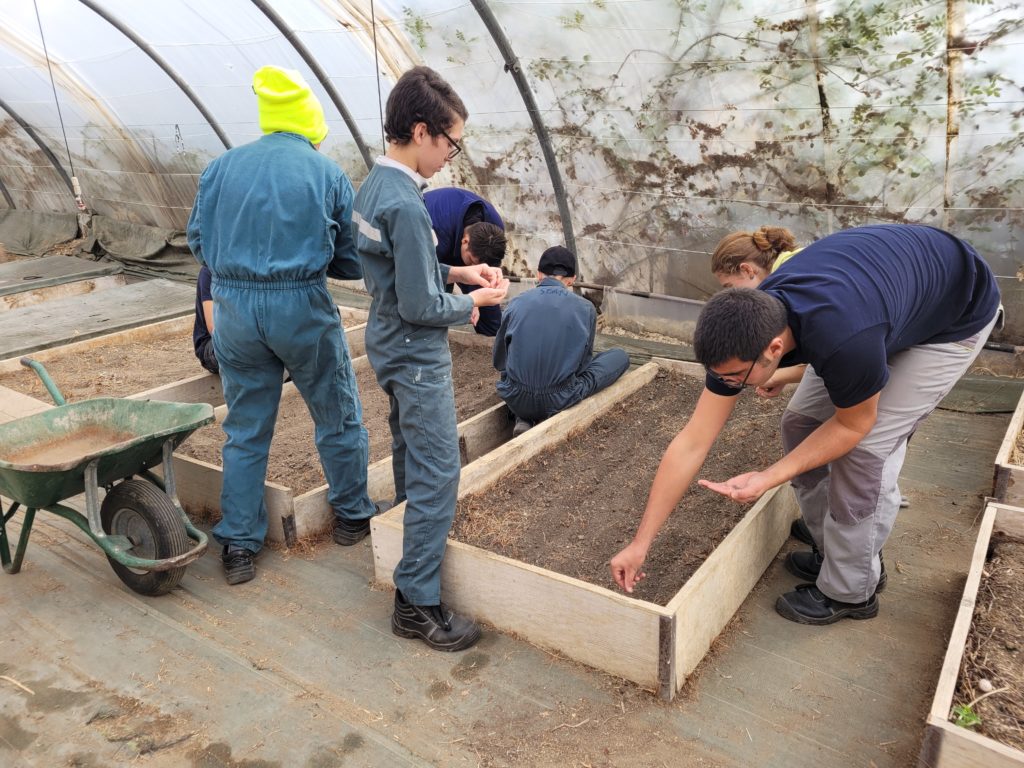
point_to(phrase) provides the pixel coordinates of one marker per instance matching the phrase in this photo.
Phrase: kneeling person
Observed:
(544, 348)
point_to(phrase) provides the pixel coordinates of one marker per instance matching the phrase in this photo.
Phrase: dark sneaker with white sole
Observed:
(807, 565)
(239, 564)
(436, 625)
(349, 532)
(808, 605)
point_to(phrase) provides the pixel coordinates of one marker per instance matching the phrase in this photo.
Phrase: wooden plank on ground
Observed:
(202, 388)
(15, 405)
(946, 745)
(28, 298)
(31, 274)
(96, 314)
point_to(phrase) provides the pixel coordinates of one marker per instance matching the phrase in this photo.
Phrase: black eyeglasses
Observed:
(454, 146)
(731, 384)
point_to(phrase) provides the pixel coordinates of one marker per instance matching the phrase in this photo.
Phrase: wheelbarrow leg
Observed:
(168, 486)
(13, 566)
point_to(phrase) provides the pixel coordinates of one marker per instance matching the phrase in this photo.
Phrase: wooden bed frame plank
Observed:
(946, 745)
(1008, 483)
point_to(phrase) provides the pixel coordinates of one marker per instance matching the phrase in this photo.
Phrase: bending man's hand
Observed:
(626, 566)
(744, 488)
(476, 274)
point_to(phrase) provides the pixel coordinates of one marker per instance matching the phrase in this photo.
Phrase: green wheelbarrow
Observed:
(54, 455)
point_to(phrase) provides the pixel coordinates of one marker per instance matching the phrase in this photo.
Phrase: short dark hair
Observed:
(737, 323)
(487, 242)
(421, 96)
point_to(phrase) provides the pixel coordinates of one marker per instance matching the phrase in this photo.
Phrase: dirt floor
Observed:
(294, 461)
(991, 684)
(551, 516)
(116, 369)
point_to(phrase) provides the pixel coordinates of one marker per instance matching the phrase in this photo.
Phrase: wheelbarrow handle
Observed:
(36, 366)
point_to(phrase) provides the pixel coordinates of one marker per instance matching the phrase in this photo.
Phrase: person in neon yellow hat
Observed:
(271, 220)
(287, 104)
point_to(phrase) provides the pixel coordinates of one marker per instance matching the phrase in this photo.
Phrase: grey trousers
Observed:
(850, 505)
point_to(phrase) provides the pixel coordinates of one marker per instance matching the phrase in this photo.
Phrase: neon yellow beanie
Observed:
(287, 104)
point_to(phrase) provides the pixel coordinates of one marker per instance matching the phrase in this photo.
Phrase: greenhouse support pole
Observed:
(512, 66)
(7, 196)
(321, 75)
(39, 143)
(146, 48)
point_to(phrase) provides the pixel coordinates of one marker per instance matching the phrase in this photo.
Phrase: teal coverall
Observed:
(270, 220)
(407, 343)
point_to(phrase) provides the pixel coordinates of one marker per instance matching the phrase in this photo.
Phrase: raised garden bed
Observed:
(1009, 469)
(946, 744)
(152, 362)
(296, 492)
(655, 642)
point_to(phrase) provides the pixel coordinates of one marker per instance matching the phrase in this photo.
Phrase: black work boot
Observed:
(807, 565)
(808, 605)
(436, 625)
(349, 532)
(799, 531)
(238, 564)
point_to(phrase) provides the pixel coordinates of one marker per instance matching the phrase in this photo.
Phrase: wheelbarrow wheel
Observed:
(144, 514)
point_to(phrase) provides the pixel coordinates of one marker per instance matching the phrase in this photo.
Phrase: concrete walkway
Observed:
(299, 667)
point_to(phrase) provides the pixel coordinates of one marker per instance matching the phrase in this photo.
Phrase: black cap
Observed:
(558, 260)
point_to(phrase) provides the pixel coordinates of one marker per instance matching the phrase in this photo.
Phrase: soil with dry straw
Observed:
(572, 507)
(294, 461)
(115, 369)
(995, 648)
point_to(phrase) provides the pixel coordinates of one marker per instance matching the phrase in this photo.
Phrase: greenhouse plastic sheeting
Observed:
(29, 233)
(670, 123)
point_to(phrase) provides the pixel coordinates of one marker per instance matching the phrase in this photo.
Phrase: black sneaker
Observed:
(799, 531)
(807, 605)
(436, 625)
(521, 426)
(238, 564)
(807, 565)
(349, 532)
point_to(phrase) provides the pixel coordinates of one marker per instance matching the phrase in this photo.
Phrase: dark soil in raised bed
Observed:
(995, 648)
(294, 461)
(574, 506)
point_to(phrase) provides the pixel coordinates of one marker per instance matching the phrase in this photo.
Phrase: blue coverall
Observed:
(544, 352)
(451, 210)
(270, 219)
(407, 343)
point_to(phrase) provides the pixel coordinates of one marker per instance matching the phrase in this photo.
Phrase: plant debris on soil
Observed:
(575, 505)
(294, 461)
(991, 680)
(117, 369)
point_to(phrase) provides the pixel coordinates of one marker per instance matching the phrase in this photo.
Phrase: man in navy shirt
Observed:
(888, 317)
(469, 231)
(544, 349)
(202, 329)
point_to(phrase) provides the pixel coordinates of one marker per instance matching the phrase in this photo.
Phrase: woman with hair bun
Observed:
(744, 259)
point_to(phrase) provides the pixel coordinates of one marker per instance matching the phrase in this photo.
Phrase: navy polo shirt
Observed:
(856, 297)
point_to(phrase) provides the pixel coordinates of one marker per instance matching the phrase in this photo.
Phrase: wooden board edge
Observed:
(546, 608)
(945, 687)
(946, 745)
(203, 387)
(713, 594)
(138, 333)
(33, 296)
(1010, 438)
